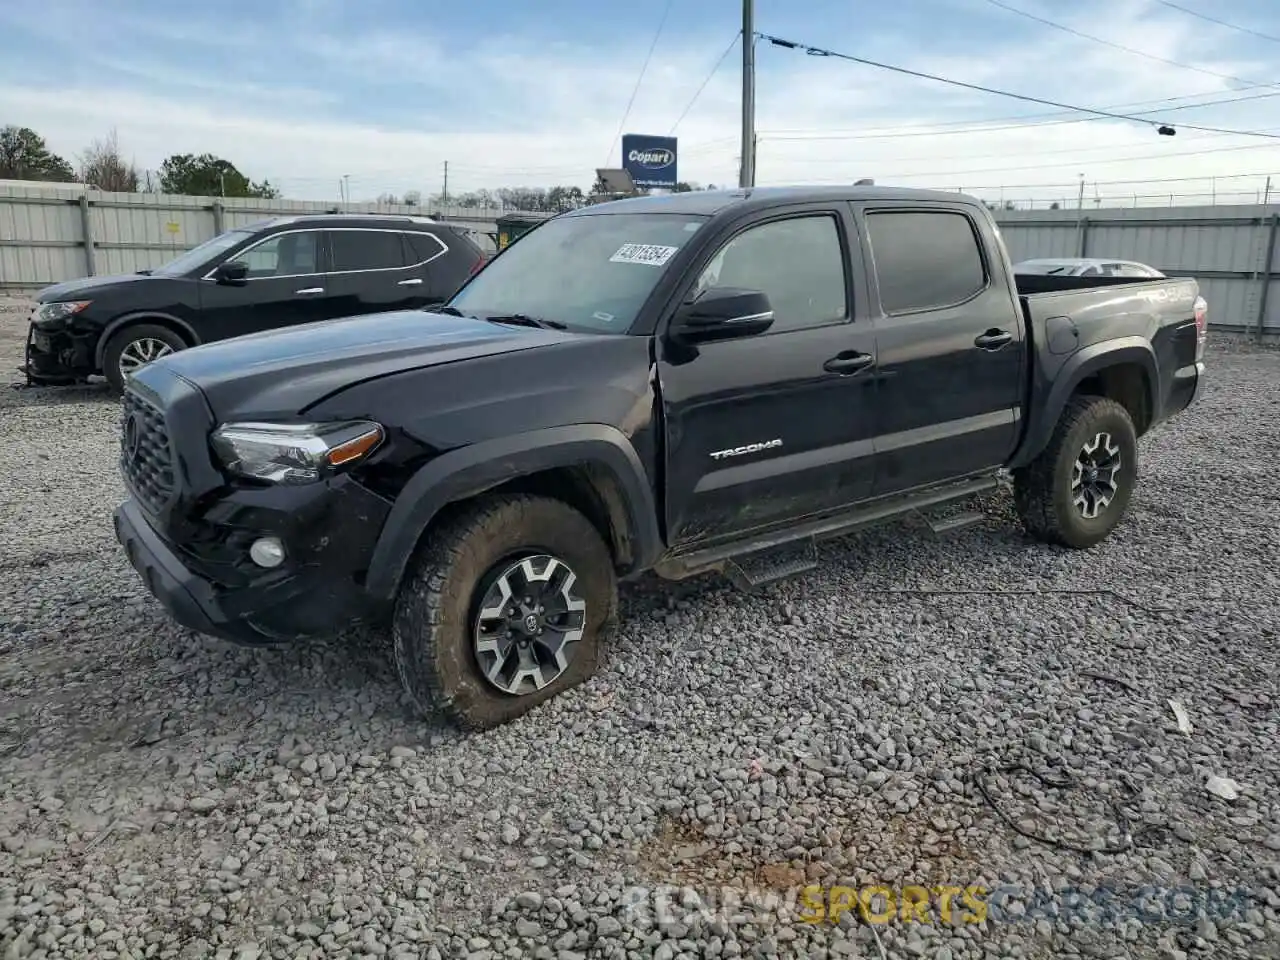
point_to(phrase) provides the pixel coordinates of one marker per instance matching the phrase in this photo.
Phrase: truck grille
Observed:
(146, 459)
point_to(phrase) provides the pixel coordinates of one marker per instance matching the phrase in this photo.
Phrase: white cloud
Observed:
(549, 115)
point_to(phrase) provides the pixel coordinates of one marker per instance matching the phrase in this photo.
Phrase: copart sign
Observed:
(651, 161)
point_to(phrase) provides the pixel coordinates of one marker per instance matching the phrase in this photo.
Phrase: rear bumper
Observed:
(1198, 392)
(1187, 387)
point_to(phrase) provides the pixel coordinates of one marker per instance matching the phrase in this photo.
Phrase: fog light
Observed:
(267, 552)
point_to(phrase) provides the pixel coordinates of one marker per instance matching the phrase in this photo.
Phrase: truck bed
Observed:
(1152, 323)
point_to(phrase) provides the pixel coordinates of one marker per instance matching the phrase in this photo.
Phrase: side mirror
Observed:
(231, 271)
(722, 313)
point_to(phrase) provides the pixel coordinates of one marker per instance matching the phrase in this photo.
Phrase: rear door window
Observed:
(424, 247)
(367, 250)
(925, 259)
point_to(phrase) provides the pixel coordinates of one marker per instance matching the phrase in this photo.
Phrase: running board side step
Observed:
(953, 524)
(768, 566)
(717, 558)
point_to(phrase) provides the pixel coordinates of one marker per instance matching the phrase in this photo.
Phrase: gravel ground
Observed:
(921, 715)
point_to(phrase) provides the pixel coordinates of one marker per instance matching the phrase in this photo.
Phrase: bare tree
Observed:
(102, 166)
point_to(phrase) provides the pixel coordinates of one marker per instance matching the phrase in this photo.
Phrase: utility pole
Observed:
(747, 174)
(1266, 194)
(444, 193)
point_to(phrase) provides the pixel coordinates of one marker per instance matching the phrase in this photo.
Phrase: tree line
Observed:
(533, 199)
(24, 155)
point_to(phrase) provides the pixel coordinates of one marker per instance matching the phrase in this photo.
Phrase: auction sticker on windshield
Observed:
(650, 254)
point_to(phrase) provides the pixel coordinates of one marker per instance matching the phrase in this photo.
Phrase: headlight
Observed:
(55, 314)
(293, 452)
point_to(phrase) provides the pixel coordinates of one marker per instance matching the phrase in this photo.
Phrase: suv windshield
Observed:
(186, 262)
(590, 273)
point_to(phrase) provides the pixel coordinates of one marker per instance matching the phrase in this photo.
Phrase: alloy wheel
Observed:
(1094, 474)
(138, 353)
(531, 617)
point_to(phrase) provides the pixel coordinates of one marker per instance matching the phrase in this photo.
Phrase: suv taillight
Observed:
(1202, 326)
(475, 268)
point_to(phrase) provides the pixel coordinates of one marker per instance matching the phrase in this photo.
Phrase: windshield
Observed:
(186, 262)
(590, 273)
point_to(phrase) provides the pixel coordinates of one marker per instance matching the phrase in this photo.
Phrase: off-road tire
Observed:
(433, 621)
(131, 334)
(1042, 490)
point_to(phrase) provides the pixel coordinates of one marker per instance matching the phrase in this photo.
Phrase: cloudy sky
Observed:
(512, 92)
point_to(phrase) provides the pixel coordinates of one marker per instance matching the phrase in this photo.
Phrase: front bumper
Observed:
(318, 595)
(57, 356)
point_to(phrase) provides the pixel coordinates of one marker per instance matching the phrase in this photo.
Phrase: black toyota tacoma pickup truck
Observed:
(704, 381)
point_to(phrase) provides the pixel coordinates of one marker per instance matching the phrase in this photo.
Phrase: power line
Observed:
(1116, 46)
(1045, 153)
(897, 134)
(952, 173)
(822, 52)
(662, 22)
(1221, 23)
(702, 86)
(1016, 119)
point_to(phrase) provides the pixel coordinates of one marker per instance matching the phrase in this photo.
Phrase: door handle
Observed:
(849, 361)
(308, 290)
(993, 339)
(412, 282)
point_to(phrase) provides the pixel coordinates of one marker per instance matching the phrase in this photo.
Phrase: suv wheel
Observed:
(1077, 490)
(507, 605)
(133, 348)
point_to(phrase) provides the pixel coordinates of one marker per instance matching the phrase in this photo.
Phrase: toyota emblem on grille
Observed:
(133, 437)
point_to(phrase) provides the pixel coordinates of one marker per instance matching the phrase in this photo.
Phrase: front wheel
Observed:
(507, 605)
(1076, 491)
(134, 347)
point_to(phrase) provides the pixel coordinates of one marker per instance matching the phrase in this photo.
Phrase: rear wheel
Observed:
(134, 347)
(1076, 492)
(507, 605)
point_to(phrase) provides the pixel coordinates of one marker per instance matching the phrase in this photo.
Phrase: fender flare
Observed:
(472, 470)
(1083, 364)
(141, 316)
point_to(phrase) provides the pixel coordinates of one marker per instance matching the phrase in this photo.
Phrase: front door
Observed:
(777, 426)
(950, 346)
(286, 285)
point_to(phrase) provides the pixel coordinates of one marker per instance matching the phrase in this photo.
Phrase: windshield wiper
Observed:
(524, 320)
(449, 311)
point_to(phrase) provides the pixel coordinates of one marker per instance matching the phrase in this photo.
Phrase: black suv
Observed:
(275, 273)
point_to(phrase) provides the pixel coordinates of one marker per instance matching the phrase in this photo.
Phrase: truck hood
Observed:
(88, 287)
(283, 372)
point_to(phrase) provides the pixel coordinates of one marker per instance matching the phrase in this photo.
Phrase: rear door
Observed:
(286, 285)
(777, 426)
(444, 259)
(950, 345)
(376, 269)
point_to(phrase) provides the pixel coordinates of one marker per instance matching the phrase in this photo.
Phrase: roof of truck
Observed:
(710, 202)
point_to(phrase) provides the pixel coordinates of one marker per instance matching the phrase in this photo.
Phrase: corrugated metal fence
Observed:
(43, 232)
(1231, 250)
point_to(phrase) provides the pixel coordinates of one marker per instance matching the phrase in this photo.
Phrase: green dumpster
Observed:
(511, 226)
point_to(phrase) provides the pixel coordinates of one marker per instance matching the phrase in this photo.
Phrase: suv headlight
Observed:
(293, 452)
(57, 314)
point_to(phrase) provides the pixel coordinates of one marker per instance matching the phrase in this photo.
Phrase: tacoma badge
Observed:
(749, 448)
